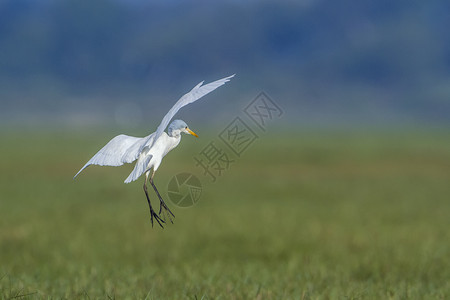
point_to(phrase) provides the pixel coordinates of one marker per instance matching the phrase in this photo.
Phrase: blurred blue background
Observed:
(82, 63)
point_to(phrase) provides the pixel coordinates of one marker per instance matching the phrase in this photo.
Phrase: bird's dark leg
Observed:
(161, 201)
(152, 212)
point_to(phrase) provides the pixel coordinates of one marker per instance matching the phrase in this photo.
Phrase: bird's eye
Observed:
(185, 127)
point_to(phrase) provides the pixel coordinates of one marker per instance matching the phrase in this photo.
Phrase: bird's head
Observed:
(179, 126)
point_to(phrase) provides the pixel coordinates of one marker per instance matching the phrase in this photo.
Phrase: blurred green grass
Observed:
(300, 216)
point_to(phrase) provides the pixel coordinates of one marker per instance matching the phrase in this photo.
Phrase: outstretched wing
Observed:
(196, 93)
(121, 149)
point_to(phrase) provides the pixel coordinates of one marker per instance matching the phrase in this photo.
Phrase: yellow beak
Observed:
(191, 132)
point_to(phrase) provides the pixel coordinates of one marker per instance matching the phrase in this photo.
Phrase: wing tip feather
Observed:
(84, 167)
(220, 81)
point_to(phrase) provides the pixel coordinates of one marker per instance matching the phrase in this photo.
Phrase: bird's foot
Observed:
(157, 218)
(166, 211)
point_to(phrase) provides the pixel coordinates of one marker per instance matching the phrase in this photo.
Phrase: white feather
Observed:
(139, 168)
(196, 93)
(121, 149)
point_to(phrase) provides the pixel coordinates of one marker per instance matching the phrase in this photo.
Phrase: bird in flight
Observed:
(149, 151)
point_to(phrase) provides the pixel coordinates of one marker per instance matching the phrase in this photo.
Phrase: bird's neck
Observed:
(174, 134)
(174, 141)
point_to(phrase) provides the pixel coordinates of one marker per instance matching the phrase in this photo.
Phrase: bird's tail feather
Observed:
(139, 169)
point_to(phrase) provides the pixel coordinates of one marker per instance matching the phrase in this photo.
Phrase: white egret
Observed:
(150, 150)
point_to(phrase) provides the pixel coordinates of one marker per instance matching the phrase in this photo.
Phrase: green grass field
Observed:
(305, 216)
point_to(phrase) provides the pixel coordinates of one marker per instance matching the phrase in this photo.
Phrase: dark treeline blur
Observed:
(324, 61)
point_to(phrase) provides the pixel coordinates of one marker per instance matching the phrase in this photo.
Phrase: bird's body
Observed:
(149, 151)
(151, 157)
(162, 146)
